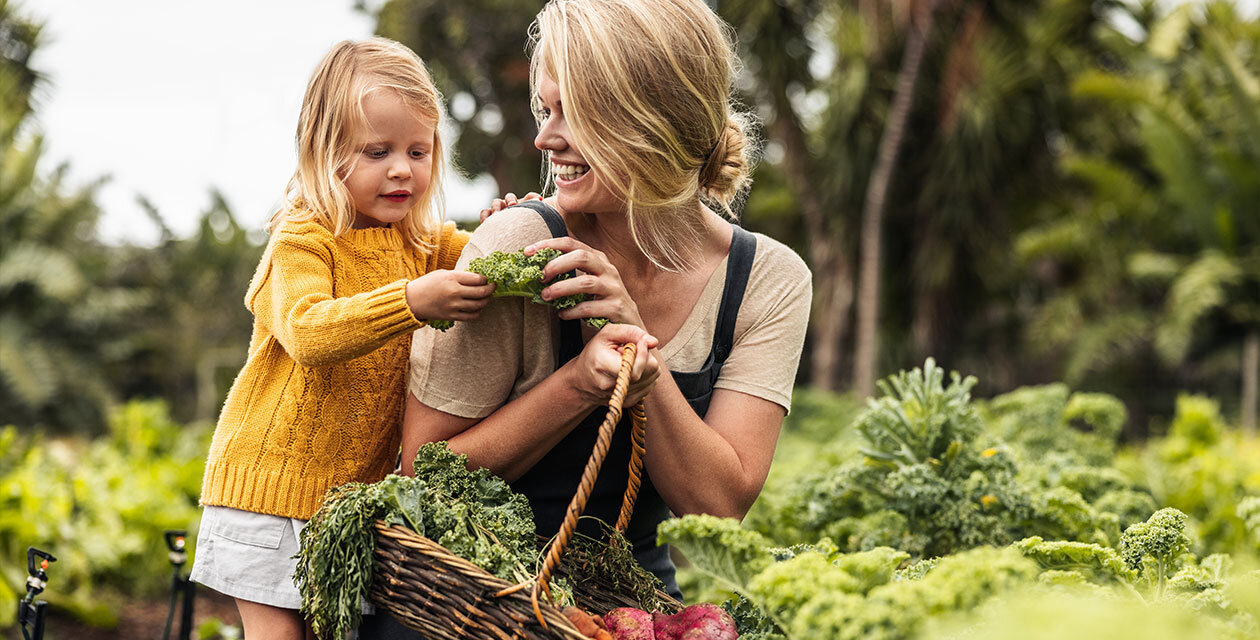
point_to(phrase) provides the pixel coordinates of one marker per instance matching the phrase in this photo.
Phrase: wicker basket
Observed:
(431, 590)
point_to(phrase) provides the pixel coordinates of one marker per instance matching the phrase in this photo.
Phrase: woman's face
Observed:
(578, 185)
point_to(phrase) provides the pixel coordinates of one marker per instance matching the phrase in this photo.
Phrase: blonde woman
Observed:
(358, 260)
(647, 157)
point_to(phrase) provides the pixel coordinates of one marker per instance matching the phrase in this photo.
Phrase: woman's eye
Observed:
(544, 113)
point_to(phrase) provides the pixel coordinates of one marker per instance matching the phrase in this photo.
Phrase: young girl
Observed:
(358, 259)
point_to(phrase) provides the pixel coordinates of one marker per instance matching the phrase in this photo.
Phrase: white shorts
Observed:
(248, 555)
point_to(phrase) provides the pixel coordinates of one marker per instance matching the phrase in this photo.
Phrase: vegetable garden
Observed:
(925, 514)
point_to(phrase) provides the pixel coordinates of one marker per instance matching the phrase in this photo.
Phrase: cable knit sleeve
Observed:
(292, 296)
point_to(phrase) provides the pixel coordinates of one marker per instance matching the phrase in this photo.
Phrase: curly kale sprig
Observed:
(1155, 547)
(516, 274)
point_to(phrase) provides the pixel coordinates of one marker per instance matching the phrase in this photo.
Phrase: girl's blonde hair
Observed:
(646, 90)
(332, 114)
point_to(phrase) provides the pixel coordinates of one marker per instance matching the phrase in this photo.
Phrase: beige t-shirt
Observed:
(476, 367)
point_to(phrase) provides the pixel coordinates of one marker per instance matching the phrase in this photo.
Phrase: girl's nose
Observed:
(399, 169)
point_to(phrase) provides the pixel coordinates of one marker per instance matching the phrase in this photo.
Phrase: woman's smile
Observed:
(568, 174)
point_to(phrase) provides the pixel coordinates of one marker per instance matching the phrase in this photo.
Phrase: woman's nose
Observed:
(549, 138)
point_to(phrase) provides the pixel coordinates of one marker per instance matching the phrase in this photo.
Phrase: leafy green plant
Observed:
(101, 507)
(931, 477)
(1203, 468)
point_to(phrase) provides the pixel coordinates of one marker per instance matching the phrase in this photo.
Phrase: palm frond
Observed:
(1197, 292)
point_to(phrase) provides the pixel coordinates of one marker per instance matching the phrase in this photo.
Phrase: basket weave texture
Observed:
(445, 597)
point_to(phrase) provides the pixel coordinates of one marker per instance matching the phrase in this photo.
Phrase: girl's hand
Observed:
(448, 295)
(598, 279)
(594, 371)
(509, 200)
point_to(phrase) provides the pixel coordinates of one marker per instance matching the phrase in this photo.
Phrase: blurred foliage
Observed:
(1156, 258)
(190, 341)
(1205, 469)
(84, 324)
(101, 507)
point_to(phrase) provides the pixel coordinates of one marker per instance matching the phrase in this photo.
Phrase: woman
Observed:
(646, 154)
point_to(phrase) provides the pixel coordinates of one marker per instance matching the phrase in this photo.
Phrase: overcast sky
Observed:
(170, 98)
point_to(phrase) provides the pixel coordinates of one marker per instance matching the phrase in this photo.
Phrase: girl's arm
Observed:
(512, 439)
(292, 296)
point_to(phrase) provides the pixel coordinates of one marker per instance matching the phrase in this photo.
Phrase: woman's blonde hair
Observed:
(327, 148)
(646, 90)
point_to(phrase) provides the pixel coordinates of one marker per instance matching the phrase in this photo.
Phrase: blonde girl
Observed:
(648, 157)
(358, 259)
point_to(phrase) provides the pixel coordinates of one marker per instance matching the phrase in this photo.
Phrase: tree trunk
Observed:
(1250, 379)
(829, 322)
(867, 348)
(833, 275)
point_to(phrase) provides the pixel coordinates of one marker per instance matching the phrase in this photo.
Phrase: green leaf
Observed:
(1168, 35)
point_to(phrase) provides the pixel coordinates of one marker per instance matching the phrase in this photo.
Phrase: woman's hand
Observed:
(509, 200)
(599, 280)
(594, 371)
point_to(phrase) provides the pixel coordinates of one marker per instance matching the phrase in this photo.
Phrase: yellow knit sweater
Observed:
(319, 401)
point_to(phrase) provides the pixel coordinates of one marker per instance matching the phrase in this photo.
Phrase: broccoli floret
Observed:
(516, 274)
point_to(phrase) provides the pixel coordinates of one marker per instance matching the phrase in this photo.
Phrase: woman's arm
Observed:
(715, 465)
(512, 439)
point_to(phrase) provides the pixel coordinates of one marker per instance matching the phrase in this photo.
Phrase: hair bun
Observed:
(724, 173)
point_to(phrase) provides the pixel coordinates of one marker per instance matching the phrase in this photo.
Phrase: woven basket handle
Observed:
(593, 465)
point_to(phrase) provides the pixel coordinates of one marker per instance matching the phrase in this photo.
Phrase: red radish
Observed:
(695, 622)
(626, 623)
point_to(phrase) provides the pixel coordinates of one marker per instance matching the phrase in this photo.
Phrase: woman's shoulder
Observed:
(509, 230)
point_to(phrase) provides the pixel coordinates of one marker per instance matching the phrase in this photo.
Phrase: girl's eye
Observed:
(375, 153)
(544, 113)
(418, 154)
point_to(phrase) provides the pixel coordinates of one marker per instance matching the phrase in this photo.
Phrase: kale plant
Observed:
(934, 479)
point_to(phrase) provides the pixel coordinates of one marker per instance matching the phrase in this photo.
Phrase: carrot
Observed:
(587, 624)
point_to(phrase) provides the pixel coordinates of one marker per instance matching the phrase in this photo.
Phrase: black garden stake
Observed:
(182, 588)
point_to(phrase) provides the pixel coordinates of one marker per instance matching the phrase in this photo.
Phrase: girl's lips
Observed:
(397, 196)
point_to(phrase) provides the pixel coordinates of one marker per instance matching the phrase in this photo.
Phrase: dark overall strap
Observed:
(549, 215)
(738, 267)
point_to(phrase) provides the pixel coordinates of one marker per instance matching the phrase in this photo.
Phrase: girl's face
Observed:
(393, 167)
(578, 185)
